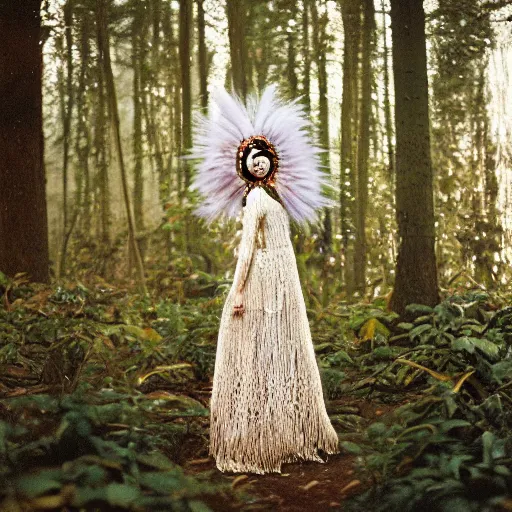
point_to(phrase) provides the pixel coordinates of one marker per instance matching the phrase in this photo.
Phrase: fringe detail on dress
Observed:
(267, 405)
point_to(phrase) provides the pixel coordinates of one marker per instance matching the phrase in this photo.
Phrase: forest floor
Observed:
(104, 406)
(300, 486)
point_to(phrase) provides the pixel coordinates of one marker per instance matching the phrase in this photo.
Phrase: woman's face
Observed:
(258, 166)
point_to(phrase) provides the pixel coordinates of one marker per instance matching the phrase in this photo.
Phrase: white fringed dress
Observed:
(267, 406)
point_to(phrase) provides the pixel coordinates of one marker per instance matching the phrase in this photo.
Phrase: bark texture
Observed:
(23, 217)
(416, 274)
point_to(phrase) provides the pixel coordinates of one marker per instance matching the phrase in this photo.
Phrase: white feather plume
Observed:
(299, 179)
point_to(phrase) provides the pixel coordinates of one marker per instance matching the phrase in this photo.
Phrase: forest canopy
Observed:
(337, 57)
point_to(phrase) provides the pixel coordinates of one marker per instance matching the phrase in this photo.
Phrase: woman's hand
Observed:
(238, 307)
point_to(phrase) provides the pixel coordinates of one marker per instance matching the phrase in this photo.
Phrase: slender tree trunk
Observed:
(306, 87)
(236, 12)
(416, 272)
(137, 64)
(298, 234)
(177, 128)
(202, 54)
(484, 222)
(67, 115)
(23, 217)
(104, 50)
(156, 18)
(364, 147)
(185, 50)
(172, 67)
(101, 161)
(83, 143)
(387, 104)
(291, 60)
(320, 48)
(186, 101)
(491, 198)
(351, 23)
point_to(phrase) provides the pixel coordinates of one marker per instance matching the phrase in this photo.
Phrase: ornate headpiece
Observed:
(232, 137)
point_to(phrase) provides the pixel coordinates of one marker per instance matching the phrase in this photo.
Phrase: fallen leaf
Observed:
(351, 485)
(196, 462)
(238, 479)
(457, 386)
(310, 485)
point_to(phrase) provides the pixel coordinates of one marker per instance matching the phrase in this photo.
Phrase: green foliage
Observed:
(449, 447)
(103, 453)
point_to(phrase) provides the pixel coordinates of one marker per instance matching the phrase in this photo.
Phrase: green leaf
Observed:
(383, 353)
(161, 482)
(34, 485)
(182, 403)
(446, 426)
(376, 430)
(198, 506)
(341, 355)
(84, 495)
(502, 371)
(419, 330)
(352, 447)
(122, 495)
(463, 344)
(427, 319)
(487, 347)
(419, 309)
(469, 344)
(487, 445)
(322, 347)
(156, 460)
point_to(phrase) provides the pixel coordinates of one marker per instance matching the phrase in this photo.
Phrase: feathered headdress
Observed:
(223, 142)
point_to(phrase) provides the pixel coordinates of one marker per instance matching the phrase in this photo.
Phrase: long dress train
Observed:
(267, 406)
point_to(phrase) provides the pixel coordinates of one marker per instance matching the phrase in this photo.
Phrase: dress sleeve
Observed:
(253, 215)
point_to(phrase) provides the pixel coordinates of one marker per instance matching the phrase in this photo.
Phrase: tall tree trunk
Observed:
(387, 103)
(104, 50)
(202, 55)
(172, 66)
(186, 102)
(416, 272)
(23, 217)
(291, 40)
(137, 64)
(82, 142)
(351, 14)
(485, 187)
(364, 147)
(306, 87)
(101, 161)
(320, 48)
(177, 129)
(67, 115)
(236, 12)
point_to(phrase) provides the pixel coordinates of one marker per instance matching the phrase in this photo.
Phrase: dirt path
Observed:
(307, 486)
(301, 486)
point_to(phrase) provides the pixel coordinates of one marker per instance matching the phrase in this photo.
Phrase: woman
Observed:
(267, 405)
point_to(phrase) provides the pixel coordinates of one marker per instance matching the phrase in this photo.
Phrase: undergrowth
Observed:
(447, 446)
(104, 398)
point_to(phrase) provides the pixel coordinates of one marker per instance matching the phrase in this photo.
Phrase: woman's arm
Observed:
(252, 222)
